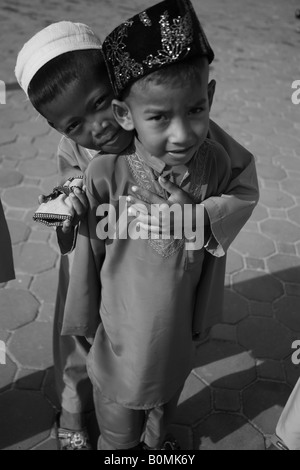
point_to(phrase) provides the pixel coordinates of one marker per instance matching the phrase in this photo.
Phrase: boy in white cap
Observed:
(57, 57)
(143, 299)
(55, 80)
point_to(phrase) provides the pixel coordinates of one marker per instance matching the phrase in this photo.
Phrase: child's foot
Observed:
(71, 439)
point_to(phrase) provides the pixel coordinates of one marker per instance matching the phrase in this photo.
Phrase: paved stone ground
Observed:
(243, 374)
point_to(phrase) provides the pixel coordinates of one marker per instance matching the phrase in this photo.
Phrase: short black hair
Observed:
(178, 73)
(54, 77)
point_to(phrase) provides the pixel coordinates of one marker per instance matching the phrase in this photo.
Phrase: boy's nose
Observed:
(96, 129)
(180, 132)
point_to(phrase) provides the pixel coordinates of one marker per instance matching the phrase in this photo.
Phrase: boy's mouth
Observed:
(106, 139)
(180, 152)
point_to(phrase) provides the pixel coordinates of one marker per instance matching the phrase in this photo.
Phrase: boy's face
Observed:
(83, 113)
(171, 121)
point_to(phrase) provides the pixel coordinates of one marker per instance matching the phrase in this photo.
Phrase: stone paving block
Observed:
(18, 151)
(265, 337)
(35, 257)
(254, 263)
(17, 308)
(10, 178)
(48, 444)
(45, 286)
(7, 374)
(26, 417)
(294, 215)
(29, 379)
(223, 431)
(235, 307)
(270, 369)
(287, 311)
(19, 232)
(253, 245)
(263, 403)
(280, 230)
(292, 289)
(37, 167)
(31, 345)
(194, 403)
(32, 128)
(224, 365)
(259, 213)
(227, 400)
(8, 136)
(286, 248)
(291, 186)
(292, 370)
(234, 262)
(275, 198)
(223, 332)
(271, 172)
(46, 312)
(256, 285)
(288, 162)
(285, 267)
(22, 281)
(21, 197)
(262, 309)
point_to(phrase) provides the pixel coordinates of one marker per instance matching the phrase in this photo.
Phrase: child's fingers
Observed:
(67, 226)
(141, 195)
(41, 198)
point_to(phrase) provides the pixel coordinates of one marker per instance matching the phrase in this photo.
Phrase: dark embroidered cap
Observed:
(161, 35)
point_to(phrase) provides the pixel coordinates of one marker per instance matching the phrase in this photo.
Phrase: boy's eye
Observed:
(101, 102)
(72, 127)
(157, 117)
(196, 110)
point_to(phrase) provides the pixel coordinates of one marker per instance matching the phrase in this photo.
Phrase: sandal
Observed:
(71, 440)
(170, 443)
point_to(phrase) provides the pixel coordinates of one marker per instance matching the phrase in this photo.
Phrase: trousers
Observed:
(73, 386)
(124, 428)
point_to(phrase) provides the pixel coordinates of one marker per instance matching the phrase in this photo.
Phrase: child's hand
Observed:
(159, 223)
(80, 206)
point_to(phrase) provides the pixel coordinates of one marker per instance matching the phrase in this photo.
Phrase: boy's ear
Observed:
(211, 91)
(122, 114)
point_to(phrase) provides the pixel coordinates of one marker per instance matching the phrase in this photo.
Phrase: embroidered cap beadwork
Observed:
(161, 35)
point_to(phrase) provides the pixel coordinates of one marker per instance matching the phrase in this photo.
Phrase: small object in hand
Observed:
(57, 206)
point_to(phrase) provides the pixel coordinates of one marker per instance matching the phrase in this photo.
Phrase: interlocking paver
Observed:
(252, 346)
(285, 267)
(35, 257)
(280, 230)
(254, 245)
(14, 301)
(19, 232)
(256, 285)
(224, 365)
(287, 311)
(265, 337)
(263, 402)
(26, 417)
(10, 178)
(224, 431)
(32, 345)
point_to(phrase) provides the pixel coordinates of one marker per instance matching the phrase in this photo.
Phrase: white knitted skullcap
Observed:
(50, 42)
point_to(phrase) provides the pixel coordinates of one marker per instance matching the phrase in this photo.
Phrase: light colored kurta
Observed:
(144, 291)
(6, 257)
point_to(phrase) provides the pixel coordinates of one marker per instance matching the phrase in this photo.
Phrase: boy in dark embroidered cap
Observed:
(143, 297)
